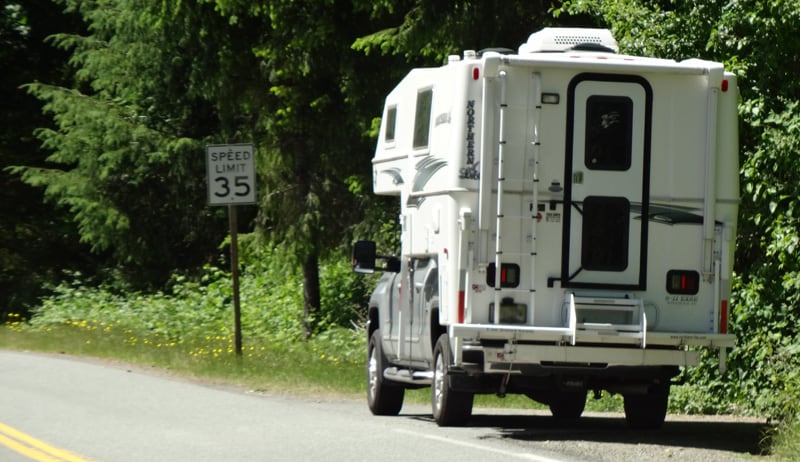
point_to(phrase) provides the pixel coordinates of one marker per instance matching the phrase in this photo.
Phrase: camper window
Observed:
(606, 224)
(391, 122)
(422, 119)
(609, 128)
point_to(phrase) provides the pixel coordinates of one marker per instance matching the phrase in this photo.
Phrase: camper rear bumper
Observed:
(503, 347)
(512, 358)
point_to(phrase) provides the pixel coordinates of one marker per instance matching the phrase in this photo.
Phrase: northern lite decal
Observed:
(672, 214)
(425, 169)
(470, 170)
(397, 177)
(664, 214)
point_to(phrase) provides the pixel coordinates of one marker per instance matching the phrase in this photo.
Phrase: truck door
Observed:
(607, 177)
(426, 290)
(402, 316)
(390, 321)
(416, 296)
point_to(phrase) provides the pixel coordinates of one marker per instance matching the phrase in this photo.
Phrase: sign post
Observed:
(232, 181)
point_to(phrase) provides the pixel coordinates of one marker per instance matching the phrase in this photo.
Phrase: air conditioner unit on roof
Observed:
(559, 39)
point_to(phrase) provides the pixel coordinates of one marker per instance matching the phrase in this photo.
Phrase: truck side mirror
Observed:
(364, 257)
(392, 265)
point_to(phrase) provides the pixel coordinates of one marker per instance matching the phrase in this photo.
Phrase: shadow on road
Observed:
(726, 434)
(742, 437)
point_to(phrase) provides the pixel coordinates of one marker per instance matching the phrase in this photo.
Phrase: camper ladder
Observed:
(532, 216)
(535, 144)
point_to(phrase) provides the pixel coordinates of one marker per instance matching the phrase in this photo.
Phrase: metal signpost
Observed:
(232, 181)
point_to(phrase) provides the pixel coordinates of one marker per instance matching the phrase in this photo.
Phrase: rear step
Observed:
(634, 331)
(408, 376)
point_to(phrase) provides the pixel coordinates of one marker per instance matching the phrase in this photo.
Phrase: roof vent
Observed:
(559, 39)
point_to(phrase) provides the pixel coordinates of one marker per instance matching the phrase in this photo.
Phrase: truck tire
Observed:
(383, 398)
(647, 411)
(450, 407)
(567, 406)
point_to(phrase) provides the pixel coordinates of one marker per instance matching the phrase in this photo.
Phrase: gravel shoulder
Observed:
(605, 436)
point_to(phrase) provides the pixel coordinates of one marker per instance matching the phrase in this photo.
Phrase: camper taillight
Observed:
(460, 306)
(681, 282)
(509, 275)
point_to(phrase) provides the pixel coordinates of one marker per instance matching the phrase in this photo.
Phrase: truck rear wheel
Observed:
(568, 406)
(450, 407)
(649, 410)
(383, 398)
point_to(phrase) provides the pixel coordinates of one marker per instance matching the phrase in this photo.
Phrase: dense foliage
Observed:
(193, 308)
(125, 95)
(37, 241)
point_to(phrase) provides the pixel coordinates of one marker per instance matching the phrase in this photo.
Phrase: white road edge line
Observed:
(519, 455)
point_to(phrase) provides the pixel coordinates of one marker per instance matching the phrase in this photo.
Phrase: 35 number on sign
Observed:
(240, 184)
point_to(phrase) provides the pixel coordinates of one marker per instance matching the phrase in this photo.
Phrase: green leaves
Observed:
(104, 162)
(126, 149)
(771, 186)
(427, 32)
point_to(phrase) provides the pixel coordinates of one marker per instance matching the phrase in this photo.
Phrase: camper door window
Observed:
(609, 129)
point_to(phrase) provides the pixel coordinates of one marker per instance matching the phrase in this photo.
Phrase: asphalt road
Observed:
(70, 410)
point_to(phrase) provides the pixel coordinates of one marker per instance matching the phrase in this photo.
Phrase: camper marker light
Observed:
(550, 98)
(724, 84)
(476, 73)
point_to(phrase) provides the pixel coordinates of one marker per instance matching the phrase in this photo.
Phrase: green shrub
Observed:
(194, 307)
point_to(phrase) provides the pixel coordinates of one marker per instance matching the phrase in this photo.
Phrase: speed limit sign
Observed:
(231, 174)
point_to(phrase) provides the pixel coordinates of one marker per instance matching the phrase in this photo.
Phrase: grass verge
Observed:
(786, 441)
(315, 367)
(331, 364)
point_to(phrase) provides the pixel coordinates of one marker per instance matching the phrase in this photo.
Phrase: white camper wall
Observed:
(678, 140)
(393, 167)
(465, 132)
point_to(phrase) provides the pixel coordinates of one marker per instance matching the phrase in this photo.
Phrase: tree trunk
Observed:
(311, 293)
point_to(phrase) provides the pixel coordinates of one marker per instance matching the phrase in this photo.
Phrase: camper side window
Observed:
(422, 119)
(609, 132)
(391, 123)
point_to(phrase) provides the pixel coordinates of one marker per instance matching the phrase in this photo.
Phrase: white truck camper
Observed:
(568, 218)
